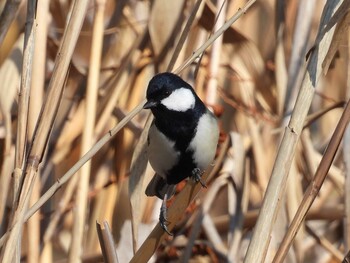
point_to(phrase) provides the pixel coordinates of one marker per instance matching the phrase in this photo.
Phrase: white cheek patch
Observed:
(180, 100)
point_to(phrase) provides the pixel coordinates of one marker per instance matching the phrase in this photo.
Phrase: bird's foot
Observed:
(163, 221)
(197, 176)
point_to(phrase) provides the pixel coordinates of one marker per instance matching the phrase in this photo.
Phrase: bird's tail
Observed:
(159, 187)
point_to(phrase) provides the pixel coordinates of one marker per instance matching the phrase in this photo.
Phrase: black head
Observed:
(162, 86)
(175, 106)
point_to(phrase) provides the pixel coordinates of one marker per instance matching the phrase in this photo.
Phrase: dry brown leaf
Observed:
(207, 20)
(164, 22)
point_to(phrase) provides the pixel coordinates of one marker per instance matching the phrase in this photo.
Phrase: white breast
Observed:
(205, 141)
(161, 153)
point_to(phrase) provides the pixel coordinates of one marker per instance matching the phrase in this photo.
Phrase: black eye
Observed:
(167, 93)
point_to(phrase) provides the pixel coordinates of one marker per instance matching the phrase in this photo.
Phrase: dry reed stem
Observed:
(39, 63)
(36, 101)
(33, 228)
(45, 124)
(336, 175)
(211, 96)
(81, 201)
(23, 96)
(313, 158)
(106, 242)
(22, 122)
(270, 206)
(314, 186)
(346, 154)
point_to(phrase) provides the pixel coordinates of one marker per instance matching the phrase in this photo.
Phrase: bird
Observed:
(182, 138)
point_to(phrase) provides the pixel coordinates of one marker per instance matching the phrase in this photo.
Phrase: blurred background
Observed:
(250, 77)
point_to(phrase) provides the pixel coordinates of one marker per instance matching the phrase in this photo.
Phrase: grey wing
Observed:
(159, 187)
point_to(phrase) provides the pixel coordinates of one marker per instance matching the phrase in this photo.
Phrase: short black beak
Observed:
(150, 104)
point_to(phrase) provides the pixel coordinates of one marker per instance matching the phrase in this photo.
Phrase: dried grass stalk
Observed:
(315, 185)
(81, 202)
(23, 104)
(22, 123)
(107, 244)
(262, 231)
(346, 154)
(211, 96)
(44, 125)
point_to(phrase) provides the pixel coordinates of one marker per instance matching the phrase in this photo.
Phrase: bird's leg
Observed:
(163, 215)
(197, 176)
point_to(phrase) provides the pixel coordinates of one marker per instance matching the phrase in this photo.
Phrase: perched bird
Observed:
(182, 139)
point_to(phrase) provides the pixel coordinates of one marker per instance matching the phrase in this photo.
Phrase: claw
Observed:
(197, 176)
(164, 226)
(163, 221)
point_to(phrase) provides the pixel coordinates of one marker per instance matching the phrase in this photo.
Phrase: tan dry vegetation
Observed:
(73, 79)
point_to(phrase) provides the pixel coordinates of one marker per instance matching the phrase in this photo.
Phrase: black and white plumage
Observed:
(182, 139)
